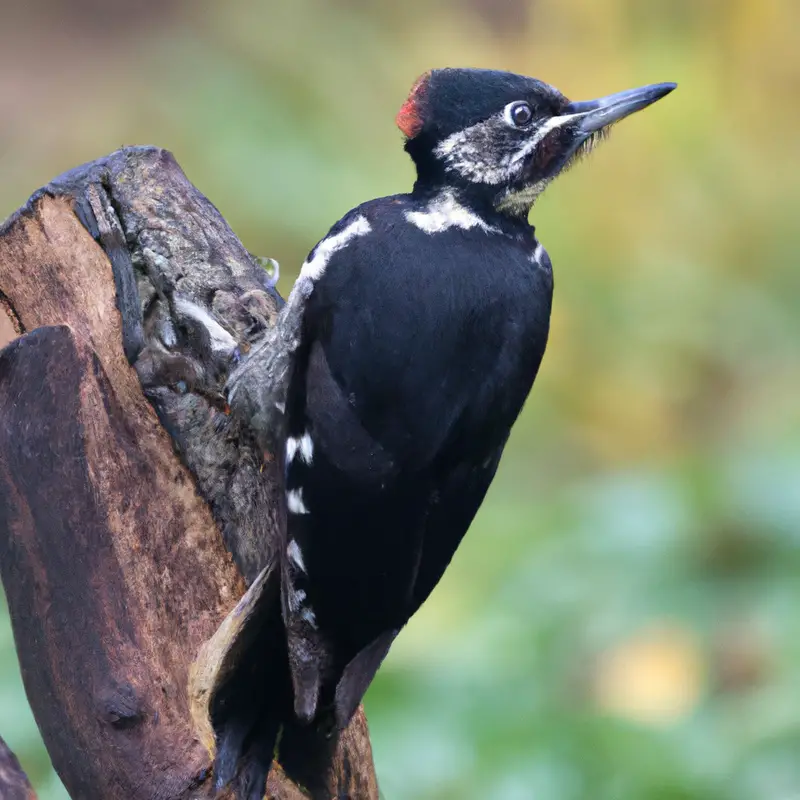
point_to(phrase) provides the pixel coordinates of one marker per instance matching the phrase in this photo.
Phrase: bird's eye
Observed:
(518, 114)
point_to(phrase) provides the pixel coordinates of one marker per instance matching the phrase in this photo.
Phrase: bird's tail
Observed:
(308, 752)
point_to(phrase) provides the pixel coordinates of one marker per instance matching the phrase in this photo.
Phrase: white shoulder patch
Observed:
(445, 212)
(314, 268)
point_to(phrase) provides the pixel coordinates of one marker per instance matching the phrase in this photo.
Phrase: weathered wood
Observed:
(104, 651)
(14, 784)
(115, 571)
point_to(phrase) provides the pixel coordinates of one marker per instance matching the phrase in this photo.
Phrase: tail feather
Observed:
(230, 746)
(358, 675)
(306, 753)
(251, 691)
(254, 767)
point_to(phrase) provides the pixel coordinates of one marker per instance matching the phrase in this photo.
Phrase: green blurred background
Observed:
(621, 623)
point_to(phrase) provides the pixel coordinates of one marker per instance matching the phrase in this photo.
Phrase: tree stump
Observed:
(116, 505)
(14, 784)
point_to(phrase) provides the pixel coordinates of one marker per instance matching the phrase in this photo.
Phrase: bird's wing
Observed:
(406, 350)
(454, 504)
(405, 385)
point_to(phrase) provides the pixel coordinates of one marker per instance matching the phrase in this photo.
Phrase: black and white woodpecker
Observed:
(421, 337)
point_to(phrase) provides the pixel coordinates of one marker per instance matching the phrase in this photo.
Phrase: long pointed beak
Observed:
(597, 114)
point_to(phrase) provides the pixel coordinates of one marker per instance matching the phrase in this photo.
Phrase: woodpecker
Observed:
(425, 321)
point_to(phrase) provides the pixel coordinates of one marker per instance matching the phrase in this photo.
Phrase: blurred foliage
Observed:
(621, 623)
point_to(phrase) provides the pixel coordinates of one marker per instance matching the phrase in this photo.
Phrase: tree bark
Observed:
(14, 784)
(112, 548)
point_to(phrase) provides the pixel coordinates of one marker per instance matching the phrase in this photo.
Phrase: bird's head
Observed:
(503, 137)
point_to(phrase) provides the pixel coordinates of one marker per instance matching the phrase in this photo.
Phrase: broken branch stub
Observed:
(110, 548)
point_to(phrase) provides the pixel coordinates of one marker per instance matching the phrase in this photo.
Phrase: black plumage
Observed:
(417, 355)
(418, 325)
(420, 341)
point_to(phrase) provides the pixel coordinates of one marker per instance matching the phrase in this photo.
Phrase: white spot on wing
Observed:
(315, 266)
(294, 500)
(306, 449)
(304, 446)
(445, 212)
(308, 615)
(296, 557)
(295, 599)
(220, 338)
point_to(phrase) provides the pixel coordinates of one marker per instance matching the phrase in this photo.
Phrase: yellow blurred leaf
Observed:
(656, 677)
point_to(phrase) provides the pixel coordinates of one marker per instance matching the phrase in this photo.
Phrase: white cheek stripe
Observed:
(552, 124)
(220, 338)
(463, 152)
(324, 251)
(446, 212)
(446, 147)
(296, 557)
(294, 500)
